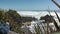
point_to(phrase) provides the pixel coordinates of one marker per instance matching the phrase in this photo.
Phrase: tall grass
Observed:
(41, 29)
(38, 29)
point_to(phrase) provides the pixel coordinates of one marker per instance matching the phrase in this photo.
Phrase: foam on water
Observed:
(37, 15)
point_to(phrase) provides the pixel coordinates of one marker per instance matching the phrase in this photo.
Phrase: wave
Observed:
(36, 14)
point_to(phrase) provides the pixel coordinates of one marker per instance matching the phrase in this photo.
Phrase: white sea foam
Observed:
(38, 14)
(35, 14)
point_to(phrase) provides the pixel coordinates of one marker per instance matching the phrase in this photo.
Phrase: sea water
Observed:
(37, 15)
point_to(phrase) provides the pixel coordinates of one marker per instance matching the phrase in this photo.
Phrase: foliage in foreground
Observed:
(14, 19)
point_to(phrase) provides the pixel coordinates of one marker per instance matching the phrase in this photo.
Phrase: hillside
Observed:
(14, 19)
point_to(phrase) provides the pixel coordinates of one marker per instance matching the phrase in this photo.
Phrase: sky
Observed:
(28, 4)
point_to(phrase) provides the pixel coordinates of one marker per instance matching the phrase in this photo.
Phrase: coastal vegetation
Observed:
(14, 19)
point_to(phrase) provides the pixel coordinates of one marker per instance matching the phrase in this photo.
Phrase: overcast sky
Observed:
(28, 4)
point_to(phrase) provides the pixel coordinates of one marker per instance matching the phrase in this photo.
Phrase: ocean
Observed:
(37, 14)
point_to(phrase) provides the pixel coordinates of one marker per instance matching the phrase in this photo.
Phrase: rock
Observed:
(11, 32)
